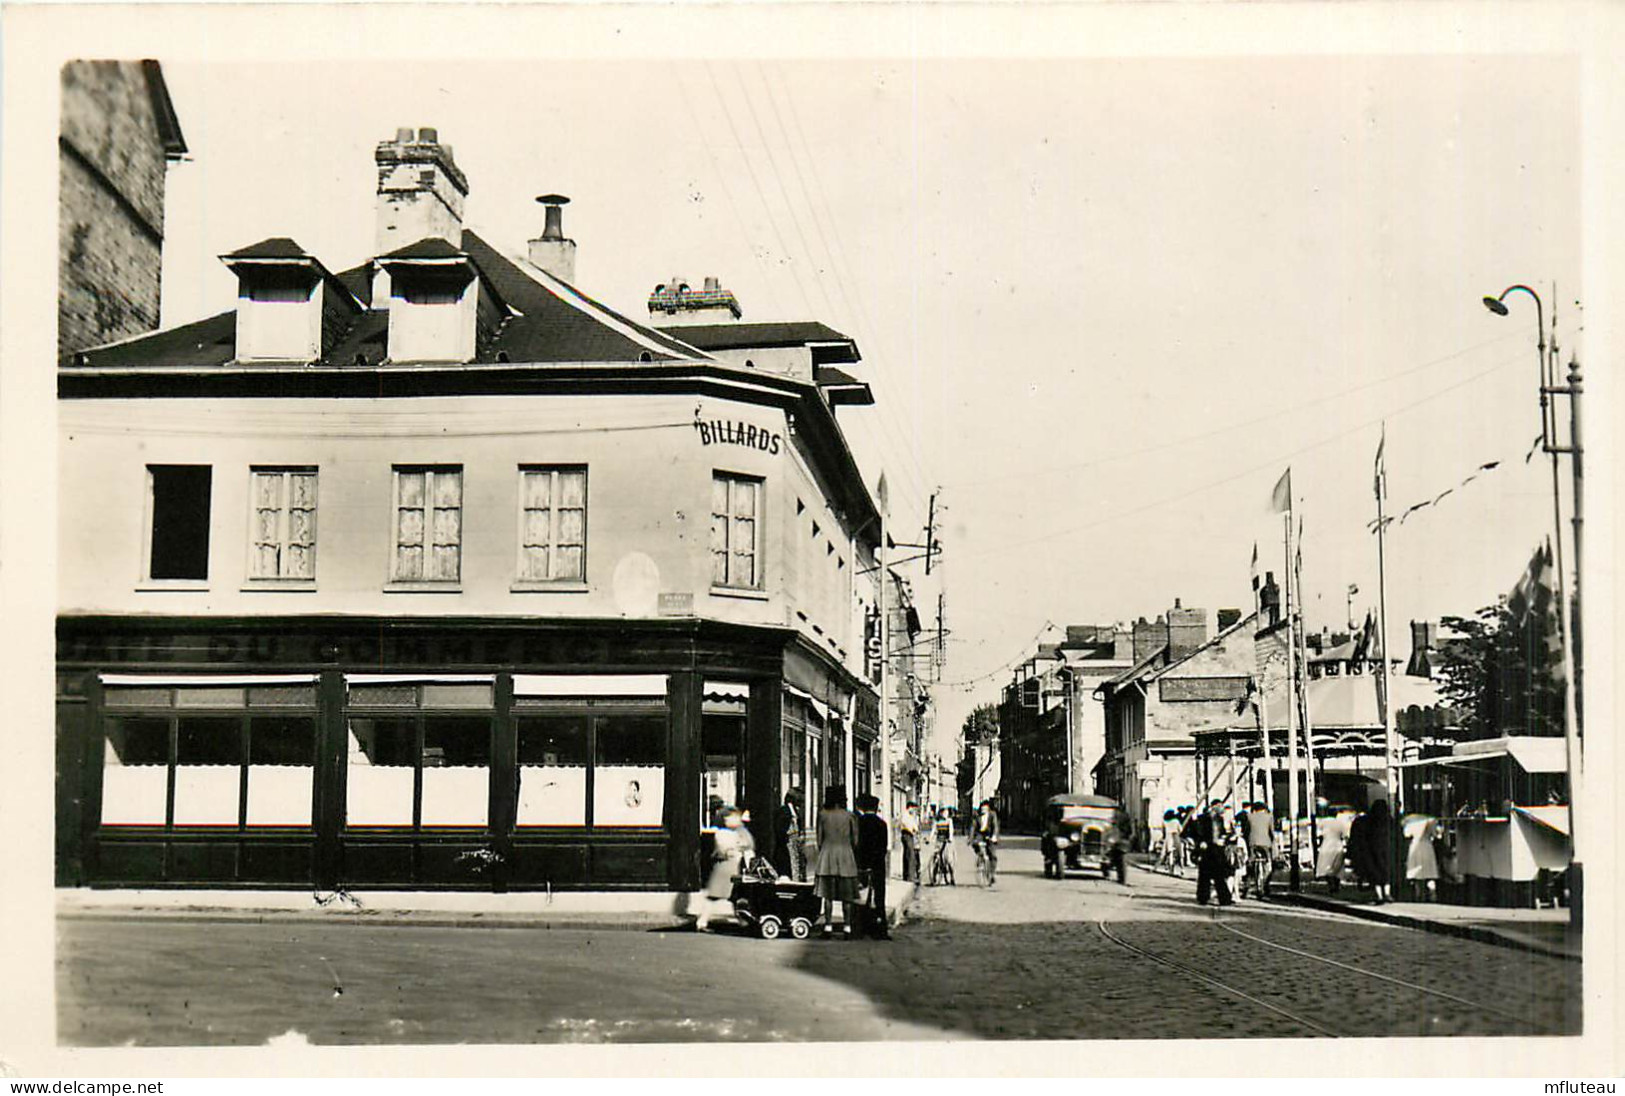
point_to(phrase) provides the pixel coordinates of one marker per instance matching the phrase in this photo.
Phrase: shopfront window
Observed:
(135, 772)
(553, 765)
(209, 755)
(723, 709)
(591, 761)
(629, 770)
(419, 756)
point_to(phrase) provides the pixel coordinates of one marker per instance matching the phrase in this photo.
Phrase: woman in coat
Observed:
(1369, 847)
(837, 864)
(734, 847)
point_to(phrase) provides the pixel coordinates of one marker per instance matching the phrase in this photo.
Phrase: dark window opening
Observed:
(180, 520)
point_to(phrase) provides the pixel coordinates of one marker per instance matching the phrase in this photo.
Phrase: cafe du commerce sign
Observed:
(744, 434)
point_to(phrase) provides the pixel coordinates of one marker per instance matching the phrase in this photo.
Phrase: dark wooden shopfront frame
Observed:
(326, 856)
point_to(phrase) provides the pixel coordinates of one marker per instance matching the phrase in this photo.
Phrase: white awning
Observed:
(726, 690)
(817, 705)
(159, 681)
(407, 679)
(589, 685)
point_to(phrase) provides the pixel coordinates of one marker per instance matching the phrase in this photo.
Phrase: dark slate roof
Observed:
(163, 110)
(743, 336)
(211, 341)
(829, 375)
(273, 247)
(555, 322)
(432, 247)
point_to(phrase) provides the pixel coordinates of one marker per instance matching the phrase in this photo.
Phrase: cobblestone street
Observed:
(1027, 959)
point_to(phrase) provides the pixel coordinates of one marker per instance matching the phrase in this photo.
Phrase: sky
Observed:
(1104, 303)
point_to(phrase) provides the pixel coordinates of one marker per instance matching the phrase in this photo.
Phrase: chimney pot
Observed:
(712, 284)
(403, 135)
(428, 135)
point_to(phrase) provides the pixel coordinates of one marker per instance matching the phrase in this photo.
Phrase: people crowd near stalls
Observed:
(1223, 841)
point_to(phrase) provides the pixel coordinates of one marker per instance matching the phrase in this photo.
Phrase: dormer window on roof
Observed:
(283, 296)
(434, 292)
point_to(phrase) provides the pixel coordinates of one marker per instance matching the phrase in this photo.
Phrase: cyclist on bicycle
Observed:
(1260, 825)
(942, 867)
(984, 839)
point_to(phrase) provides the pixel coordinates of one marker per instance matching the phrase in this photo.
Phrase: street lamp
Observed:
(1548, 437)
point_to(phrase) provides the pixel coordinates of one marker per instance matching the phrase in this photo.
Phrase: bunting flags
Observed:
(1281, 497)
(1480, 471)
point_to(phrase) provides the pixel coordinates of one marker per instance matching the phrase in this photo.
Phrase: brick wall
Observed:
(111, 206)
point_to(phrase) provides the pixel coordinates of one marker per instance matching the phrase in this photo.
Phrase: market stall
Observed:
(1501, 818)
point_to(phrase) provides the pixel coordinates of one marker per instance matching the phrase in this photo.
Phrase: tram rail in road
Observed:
(1206, 978)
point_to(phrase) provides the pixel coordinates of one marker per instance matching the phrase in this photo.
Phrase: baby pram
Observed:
(770, 903)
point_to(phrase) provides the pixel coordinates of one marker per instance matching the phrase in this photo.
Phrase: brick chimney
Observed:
(675, 303)
(1149, 636)
(420, 191)
(1187, 630)
(552, 251)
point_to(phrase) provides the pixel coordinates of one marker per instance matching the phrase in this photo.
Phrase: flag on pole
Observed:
(1535, 596)
(1255, 565)
(1281, 497)
(1376, 479)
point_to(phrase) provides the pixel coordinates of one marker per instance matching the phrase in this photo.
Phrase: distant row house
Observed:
(1164, 713)
(436, 572)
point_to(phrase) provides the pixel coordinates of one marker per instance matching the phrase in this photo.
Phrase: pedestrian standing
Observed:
(1187, 838)
(1168, 840)
(1335, 834)
(1212, 864)
(1118, 853)
(837, 863)
(909, 828)
(1369, 848)
(786, 832)
(874, 855)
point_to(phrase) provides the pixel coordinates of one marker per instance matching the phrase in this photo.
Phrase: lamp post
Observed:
(1548, 437)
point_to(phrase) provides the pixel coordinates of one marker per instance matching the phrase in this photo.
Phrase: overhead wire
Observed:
(1174, 443)
(903, 452)
(1273, 462)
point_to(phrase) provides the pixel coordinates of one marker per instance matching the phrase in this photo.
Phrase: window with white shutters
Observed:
(428, 524)
(283, 534)
(552, 524)
(736, 505)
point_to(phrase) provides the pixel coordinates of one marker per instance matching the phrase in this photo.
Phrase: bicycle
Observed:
(942, 867)
(1260, 867)
(986, 863)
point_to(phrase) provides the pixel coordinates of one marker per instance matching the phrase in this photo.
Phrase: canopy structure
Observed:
(1075, 800)
(1533, 755)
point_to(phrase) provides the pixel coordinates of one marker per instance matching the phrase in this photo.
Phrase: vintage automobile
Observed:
(1080, 834)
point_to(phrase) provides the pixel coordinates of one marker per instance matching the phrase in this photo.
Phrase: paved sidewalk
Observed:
(1542, 931)
(526, 909)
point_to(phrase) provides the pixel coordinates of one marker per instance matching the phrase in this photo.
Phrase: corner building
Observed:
(434, 572)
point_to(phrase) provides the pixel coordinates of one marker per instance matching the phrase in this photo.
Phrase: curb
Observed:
(1442, 928)
(1367, 913)
(392, 918)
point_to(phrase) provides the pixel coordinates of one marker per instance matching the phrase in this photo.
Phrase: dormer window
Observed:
(282, 295)
(433, 301)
